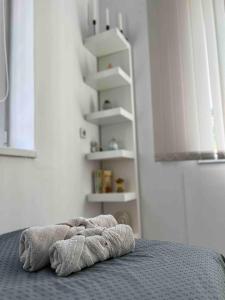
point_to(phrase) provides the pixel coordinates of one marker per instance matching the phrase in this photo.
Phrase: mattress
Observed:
(155, 270)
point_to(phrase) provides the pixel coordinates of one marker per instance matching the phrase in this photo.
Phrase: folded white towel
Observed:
(101, 220)
(90, 246)
(35, 241)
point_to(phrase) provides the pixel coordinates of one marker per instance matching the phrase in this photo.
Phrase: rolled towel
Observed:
(90, 246)
(74, 231)
(101, 220)
(35, 243)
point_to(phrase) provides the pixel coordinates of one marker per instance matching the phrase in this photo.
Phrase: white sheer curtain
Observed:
(4, 33)
(2, 52)
(187, 51)
(17, 113)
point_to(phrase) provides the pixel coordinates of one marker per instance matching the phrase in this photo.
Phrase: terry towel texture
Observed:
(101, 221)
(90, 246)
(35, 241)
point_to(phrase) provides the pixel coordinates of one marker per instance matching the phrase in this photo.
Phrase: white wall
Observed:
(182, 202)
(52, 188)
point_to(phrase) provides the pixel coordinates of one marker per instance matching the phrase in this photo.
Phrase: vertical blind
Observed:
(3, 33)
(187, 53)
(4, 83)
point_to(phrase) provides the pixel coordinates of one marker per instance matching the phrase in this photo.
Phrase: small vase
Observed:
(113, 145)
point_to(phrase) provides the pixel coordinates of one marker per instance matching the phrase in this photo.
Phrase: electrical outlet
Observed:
(83, 133)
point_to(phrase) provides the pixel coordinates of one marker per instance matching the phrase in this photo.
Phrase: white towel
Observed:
(35, 241)
(90, 246)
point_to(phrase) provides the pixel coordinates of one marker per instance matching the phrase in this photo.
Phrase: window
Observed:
(187, 50)
(17, 111)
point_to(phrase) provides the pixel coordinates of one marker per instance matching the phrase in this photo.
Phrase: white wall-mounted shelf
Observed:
(111, 197)
(108, 155)
(106, 43)
(108, 79)
(109, 116)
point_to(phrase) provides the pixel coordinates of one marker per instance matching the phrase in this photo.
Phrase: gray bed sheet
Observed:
(155, 270)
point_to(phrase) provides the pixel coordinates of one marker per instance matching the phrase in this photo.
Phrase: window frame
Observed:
(14, 150)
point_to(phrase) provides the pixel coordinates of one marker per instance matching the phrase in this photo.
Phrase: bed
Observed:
(155, 270)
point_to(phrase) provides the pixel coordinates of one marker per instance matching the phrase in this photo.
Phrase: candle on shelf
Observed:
(95, 10)
(94, 21)
(107, 19)
(120, 22)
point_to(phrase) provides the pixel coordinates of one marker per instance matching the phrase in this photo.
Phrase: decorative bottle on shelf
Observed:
(97, 178)
(107, 181)
(120, 185)
(113, 145)
(94, 146)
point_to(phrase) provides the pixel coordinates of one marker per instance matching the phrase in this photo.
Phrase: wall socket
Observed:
(83, 133)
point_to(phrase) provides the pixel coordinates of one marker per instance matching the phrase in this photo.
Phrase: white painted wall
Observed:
(52, 188)
(182, 202)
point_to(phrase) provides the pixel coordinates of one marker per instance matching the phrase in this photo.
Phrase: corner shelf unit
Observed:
(115, 84)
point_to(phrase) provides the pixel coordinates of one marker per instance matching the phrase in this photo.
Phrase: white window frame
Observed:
(20, 117)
